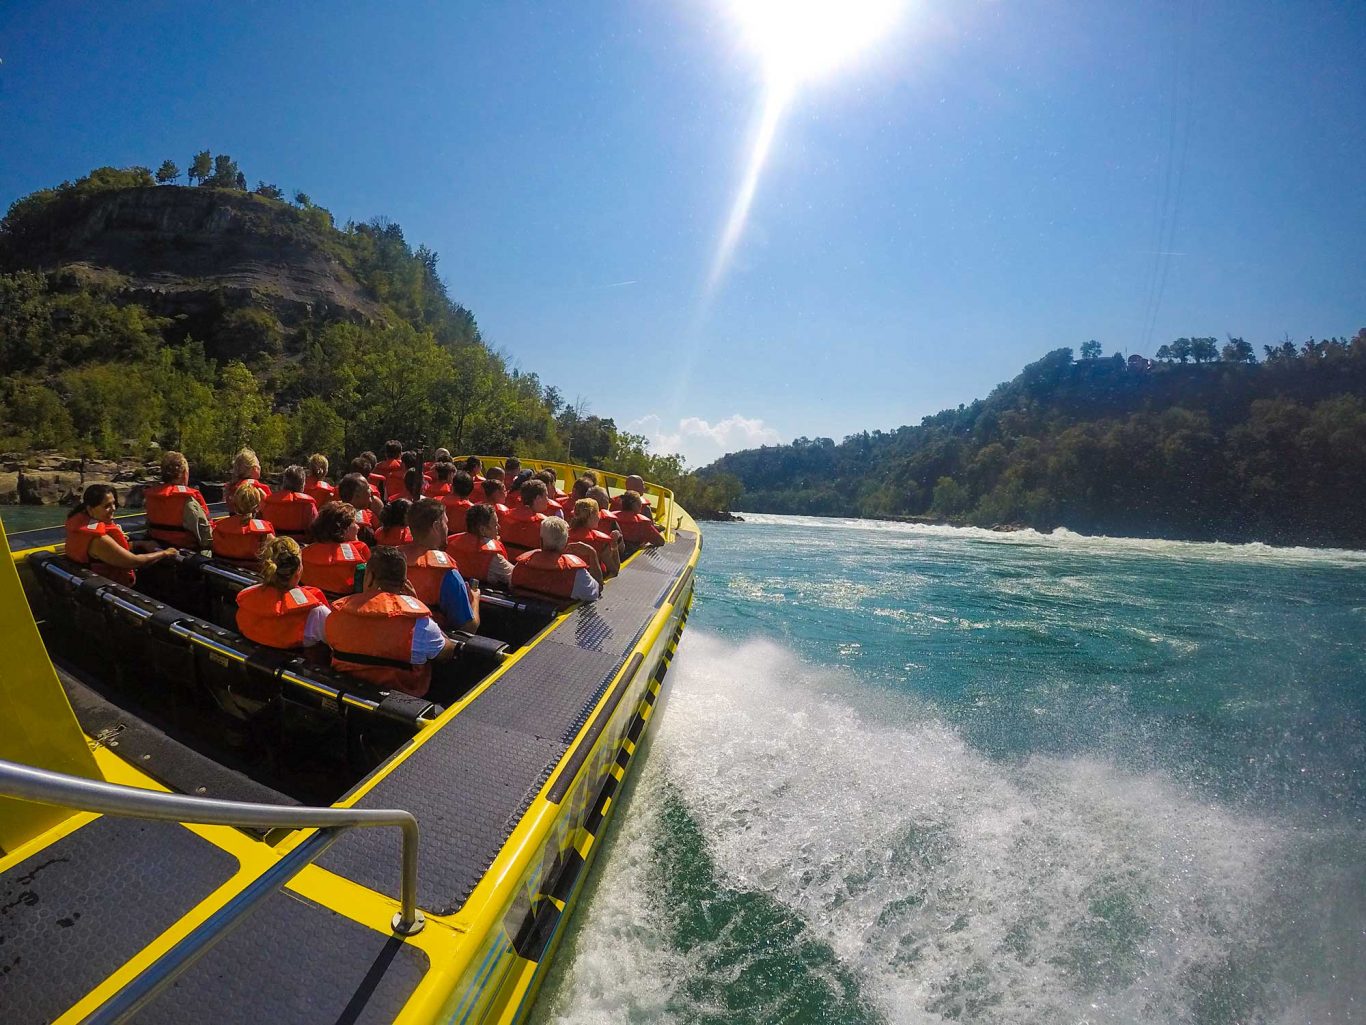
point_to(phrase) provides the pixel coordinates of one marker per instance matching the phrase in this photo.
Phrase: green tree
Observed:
(1091, 349)
(39, 413)
(1204, 350)
(200, 168)
(302, 200)
(225, 174)
(317, 427)
(167, 172)
(269, 191)
(1238, 351)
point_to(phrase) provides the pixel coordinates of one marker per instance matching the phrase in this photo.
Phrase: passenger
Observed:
(245, 467)
(583, 528)
(636, 527)
(364, 464)
(317, 487)
(577, 493)
(239, 537)
(636, 484)
(330, 561)
(440, 486)
(552, 571)
(414, 483)
(478, 553)
(385, 635)
(494, 496)
(393, 524)
(474, 466)
(457, 502)
(177, 513)
(95, 541)
(392, 468)
(355, 490)
(552, 491)
(515, 488)
(607, 520)
(441, 455)
(512, 466)
(280, 612)
(435, 578)
(522, 525)
(289, 510)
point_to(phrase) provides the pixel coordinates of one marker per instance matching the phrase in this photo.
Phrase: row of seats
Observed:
(209, 587)
(138, 635)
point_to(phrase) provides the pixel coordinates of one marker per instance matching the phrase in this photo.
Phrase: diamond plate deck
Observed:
(89, 902)
(315, 965)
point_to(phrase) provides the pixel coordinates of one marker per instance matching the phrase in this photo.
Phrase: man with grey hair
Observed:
(558, 570)
(177, 513)
(289, 510)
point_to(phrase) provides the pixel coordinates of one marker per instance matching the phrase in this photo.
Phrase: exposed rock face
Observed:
(197, 252)
(50, 479)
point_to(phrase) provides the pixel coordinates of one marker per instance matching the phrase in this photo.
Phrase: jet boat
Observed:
(197, 828)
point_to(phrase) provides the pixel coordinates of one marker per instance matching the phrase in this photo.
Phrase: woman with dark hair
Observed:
(280, 612)
(413, 484)
(239, 538)
(393, 524)
(95, 541)
(330, 561)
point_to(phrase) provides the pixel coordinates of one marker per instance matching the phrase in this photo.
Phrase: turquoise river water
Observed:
(919, 774)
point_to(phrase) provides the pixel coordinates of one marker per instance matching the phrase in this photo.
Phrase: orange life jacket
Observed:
(551, 575)
(331, 565)
(477, 493)
(439, 489)
(616, 503)
(231, 487)
(599, 541)
(376, 482)
(522, 528)
(367, 518)
(456, 508)
(166, 511)
(81, 531)
(393, 536)
(238, 540)
(473, 554)
(320, 491)
(427, 572)
(276, 618)
(371, 636)
(391, 471)
(291, 513)
(637, 528)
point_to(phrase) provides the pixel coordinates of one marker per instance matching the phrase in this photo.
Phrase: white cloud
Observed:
(701, 442)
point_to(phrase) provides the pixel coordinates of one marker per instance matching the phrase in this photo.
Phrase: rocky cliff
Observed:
(194, 253)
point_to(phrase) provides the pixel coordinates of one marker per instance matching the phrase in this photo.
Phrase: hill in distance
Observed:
(1206, 443)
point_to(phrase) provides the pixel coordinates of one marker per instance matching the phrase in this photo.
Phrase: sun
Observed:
(798, 40)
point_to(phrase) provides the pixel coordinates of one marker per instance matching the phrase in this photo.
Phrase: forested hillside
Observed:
(1205, 443)
(134, 310)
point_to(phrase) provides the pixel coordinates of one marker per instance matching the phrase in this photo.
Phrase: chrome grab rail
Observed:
(43, 786)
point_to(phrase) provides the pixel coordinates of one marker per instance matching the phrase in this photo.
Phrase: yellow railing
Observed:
(662, 499)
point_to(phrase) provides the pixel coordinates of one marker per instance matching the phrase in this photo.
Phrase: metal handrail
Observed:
(43, 786)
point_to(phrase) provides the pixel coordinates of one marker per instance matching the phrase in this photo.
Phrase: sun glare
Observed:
(803, 39)
(796, 41)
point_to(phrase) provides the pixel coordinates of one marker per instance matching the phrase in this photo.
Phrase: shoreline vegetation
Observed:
(1205, 443)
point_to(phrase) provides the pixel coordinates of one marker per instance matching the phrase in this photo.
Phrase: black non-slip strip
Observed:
(560, 786)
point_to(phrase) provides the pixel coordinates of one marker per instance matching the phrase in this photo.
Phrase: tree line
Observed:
(84, 370)
(1221, 447)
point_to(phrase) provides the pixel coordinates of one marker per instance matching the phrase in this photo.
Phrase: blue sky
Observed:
(989, 181)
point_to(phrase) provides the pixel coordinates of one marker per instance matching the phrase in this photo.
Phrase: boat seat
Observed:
(243, 678)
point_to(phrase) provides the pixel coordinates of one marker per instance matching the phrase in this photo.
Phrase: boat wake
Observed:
(802, 849)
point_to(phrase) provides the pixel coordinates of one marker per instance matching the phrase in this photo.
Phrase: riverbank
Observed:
(54, 479)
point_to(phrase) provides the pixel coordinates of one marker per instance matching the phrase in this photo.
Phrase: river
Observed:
(926, 774)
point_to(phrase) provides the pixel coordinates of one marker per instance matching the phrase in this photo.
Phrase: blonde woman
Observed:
(245, 467)
(239, 537)
(583, 527)
(316, 486)
(279, 612)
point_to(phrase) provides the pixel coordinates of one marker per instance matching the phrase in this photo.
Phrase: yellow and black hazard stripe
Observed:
(539, 927)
